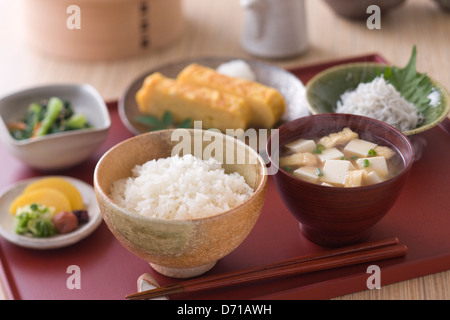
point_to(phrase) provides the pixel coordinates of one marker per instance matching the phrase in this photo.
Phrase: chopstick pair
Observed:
(330, 259)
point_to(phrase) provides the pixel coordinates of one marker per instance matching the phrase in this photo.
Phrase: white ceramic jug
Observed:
(274, 28)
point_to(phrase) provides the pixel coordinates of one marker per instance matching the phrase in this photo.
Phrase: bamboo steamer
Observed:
(101, 29)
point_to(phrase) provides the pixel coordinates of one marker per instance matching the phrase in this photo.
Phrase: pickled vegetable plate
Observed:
(57, 241)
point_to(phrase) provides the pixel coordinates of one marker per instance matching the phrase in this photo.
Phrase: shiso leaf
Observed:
(166, 122)
(185, 124)
(413, 86)
(147, 120)
(167, 118)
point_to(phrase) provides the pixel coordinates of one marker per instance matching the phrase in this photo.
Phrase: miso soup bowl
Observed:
(180, 248)
(337, 216)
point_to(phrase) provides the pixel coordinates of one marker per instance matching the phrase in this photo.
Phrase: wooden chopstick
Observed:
(335, 258)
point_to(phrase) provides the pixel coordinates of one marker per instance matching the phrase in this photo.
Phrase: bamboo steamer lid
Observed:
(101, 29)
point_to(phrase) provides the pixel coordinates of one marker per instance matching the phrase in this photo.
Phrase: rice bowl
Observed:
(179, 247)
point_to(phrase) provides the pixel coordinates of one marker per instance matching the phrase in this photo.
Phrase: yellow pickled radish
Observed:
(62, 185)
(45, 196)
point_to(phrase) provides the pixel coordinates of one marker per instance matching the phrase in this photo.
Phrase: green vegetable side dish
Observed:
(46, 118)
(35, 220)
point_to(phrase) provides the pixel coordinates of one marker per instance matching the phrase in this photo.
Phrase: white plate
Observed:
(56, 241)
(290, 87)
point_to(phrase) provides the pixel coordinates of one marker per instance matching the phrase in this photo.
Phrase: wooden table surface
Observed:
(213, 28)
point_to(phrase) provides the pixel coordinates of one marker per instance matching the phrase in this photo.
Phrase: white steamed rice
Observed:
(180, 188)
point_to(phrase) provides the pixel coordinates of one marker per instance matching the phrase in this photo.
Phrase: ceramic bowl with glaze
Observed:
(179, 248)
(335, 216)
(56, 151)
(325, 89)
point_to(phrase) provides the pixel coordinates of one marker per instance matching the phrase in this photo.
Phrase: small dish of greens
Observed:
(52, 116)
(54, 127)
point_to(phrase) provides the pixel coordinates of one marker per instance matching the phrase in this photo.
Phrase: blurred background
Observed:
(208, 28)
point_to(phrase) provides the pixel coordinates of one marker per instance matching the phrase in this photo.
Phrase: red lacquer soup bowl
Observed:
(338, 216)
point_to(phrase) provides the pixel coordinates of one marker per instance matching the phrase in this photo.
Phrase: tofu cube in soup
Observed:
(301, 145)
(377, 164)
(372, 178)
(335, 171)
(307, 174)
(340, 159)
(360, 147)
(330, 154)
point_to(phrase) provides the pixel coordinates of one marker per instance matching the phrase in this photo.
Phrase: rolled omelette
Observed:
(267, 104)
(215, 109)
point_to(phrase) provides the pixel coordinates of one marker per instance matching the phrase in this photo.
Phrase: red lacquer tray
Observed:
(420, 219)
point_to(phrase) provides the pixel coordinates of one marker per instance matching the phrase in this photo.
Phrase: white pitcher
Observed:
(274, 28)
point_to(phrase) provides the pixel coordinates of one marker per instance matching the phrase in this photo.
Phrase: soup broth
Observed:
(340, 159)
